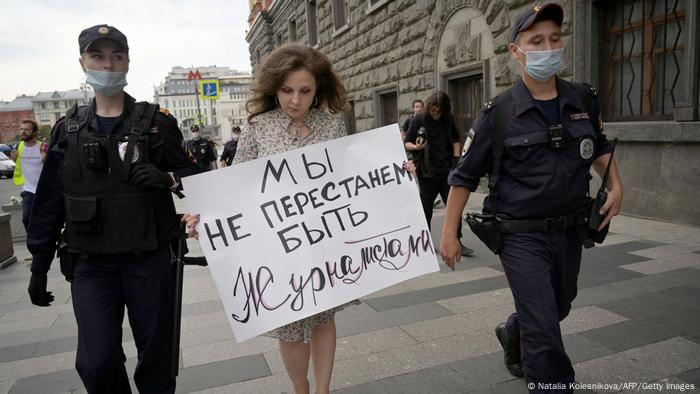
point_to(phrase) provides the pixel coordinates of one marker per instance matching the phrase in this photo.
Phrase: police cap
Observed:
(96, 33)
(538, 13)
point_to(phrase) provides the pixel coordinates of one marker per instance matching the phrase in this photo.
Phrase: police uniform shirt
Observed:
(48, 214)
(535, 181)
(202, 151)
(229, 152)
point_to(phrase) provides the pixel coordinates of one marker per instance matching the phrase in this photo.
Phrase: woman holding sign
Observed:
(294, 96)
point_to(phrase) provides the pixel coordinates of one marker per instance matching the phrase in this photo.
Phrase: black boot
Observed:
(511, 351)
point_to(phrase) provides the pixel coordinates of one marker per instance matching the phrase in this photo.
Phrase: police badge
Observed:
(586, 148)
(122, 151)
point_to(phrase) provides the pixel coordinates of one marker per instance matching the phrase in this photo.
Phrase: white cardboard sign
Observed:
(293, 234)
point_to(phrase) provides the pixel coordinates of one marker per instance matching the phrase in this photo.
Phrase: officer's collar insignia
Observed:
(536, 8)
(579, 116)
(103, 30)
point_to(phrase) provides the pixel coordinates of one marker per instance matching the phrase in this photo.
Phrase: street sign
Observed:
(199, 120)
(209, 89)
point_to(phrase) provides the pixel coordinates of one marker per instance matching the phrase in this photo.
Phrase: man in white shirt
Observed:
(29, 158)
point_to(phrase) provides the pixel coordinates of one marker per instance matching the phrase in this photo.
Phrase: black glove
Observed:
(37, 290)
(453, 162)
(147, 175)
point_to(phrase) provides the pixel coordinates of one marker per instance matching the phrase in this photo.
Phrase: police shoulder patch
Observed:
(489, 104)
(591, 89)
(164, 111)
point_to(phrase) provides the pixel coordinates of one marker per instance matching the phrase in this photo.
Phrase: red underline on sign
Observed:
(376, 236)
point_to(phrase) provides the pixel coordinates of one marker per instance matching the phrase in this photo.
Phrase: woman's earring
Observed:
(277, 102)
(315, 101)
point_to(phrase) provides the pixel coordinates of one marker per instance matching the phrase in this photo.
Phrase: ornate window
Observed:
(643, 58)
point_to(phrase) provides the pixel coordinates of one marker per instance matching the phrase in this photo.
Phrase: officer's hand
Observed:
(191, 220)
(451, 251)
(147, 175)
(37, 290)
(420, 143)
(611, 207)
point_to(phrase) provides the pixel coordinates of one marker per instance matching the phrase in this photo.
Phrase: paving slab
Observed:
(278, 383)
(25, 335)
(588, 318)
(480, 319)
(692, 376)
(627, 335)
(223, 350)
(373, 321)
(435, 293)
(580, 348)
(663, 264)
(377, 366)
(476, 301)
(516, 386)
(483, 371)
(221, 373)
(440, 379)
(642, 364)
(438, 279)
(54, 382)
(636, 286)
(354, 346)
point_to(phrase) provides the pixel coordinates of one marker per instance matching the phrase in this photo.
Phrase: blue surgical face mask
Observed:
(542, 65)
(107, 83)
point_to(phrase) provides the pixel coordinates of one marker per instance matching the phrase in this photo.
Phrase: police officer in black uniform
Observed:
(230, 147)
(551, 134)
(108, 177)
(202, 150)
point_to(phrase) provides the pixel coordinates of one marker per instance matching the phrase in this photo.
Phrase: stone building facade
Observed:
(644, 58)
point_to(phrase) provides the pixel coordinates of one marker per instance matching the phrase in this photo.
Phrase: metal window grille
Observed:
(467, 99)
(339, 14)
(643, 59)
(312, 22)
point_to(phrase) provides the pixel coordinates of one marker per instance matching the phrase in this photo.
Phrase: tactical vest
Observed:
(104, 212)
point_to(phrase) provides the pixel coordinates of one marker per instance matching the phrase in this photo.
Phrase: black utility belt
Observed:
(553, 224)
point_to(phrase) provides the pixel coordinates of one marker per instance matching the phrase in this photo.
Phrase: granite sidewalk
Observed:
(636, 321)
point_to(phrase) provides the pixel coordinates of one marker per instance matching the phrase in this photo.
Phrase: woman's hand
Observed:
(192, 220)
(410, 166)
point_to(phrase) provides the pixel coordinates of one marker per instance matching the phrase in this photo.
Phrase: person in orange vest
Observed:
(29, 159)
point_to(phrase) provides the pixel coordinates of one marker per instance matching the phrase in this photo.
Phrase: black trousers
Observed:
(542, 271)
(102, 286)
(430, 188)
(27, 202)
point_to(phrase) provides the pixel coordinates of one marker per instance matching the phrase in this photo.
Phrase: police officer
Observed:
(202, 150)
(230, 147)
(549, 137)
(108, 177)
